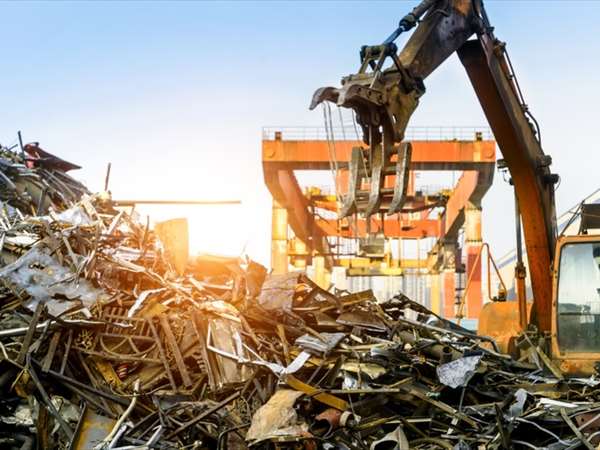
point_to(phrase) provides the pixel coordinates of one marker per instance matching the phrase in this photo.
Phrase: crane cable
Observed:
(332, 154)
(330, 142)
(333, 163)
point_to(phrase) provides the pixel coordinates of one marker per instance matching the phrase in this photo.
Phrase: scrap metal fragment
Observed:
(91, 429)
(362, 319)
(327, 399)
(457, 373)
(29, 336)
(205, 414)
(51, 351)
(277, 418)
(278, 291)
(396, 440)
(117, 427)
(324, 345)
(174, 347)
(573, 427)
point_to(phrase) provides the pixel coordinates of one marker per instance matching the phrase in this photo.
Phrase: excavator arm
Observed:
(384, 100)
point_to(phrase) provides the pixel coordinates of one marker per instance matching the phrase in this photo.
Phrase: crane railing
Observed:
(429, 133)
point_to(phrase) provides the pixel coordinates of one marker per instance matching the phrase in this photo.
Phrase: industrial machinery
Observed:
(565, 271)
(445, 221)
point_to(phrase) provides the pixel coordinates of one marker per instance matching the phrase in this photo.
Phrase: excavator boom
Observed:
(385, 99)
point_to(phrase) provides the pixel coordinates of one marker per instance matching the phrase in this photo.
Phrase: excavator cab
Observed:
(576, 297)
(575, 333)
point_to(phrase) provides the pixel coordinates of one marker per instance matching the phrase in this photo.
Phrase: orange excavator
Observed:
(564, 271)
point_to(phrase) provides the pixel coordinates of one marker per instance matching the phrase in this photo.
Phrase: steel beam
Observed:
(470, 189)
(393, 228)
(426, 155)
(286, 191)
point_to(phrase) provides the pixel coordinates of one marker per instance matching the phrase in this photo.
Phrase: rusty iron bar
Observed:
(176, 202)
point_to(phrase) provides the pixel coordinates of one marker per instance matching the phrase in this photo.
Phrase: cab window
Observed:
(579, 297)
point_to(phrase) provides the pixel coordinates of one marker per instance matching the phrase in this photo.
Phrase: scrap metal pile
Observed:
(104, 344)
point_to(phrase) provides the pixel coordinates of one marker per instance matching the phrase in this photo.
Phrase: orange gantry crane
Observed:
(439, 216)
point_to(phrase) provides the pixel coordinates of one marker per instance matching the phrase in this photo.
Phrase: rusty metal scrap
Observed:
(105, 344)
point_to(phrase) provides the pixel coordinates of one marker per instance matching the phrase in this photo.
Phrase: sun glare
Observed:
(226, 230)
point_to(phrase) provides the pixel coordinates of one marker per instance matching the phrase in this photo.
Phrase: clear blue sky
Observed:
(175, 94)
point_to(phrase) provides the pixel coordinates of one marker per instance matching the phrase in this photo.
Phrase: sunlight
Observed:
(226, 230)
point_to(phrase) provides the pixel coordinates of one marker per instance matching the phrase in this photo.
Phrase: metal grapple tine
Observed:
(401, 181)
(354, 181)
(377, 179)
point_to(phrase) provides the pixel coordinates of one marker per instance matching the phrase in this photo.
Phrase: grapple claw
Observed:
(383, 102)
(328, 93)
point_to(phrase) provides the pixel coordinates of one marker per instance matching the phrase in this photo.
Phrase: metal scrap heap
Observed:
(105, 345)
